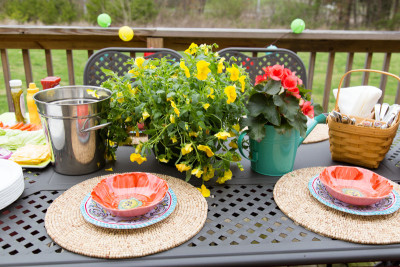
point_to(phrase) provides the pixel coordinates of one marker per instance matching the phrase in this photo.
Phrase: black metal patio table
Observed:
(244, 226)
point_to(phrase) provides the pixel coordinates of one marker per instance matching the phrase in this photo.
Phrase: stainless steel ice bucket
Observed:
(73, 118)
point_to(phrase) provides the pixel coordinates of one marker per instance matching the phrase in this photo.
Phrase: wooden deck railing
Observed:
(48, 38)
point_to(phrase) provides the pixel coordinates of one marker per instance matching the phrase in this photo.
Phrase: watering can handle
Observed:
(321, 118)
(240, 141)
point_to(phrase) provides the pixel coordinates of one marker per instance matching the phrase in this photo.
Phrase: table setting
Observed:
(186, 184)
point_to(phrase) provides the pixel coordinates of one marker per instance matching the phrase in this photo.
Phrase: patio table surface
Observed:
(244, 225)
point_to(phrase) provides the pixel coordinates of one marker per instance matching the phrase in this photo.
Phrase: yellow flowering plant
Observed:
(190, 110)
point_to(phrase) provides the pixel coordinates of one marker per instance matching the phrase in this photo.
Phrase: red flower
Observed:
(299, 81)
(295, 92)
(260, 79)
(267, 70)
(277, 72)
(289, 82)
(307, 108)
(286, 73)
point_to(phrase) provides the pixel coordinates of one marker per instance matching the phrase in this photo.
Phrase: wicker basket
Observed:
(359, 145)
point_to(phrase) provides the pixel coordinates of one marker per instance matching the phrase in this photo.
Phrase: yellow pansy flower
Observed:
(242, 82)
(204, 191)
(230, 92)
(222, 135)
(197, 172)
(227, 176)
(163, 160)
(206, 106)
(192, 49)
(236, 158)
(139, 61)
(208, 173)
(202, 70)
(145, 115)
(183, 66)
(211, 94)
(120, 97)
(138, 148)
(92, 93)
(204, 48)
(173, 139)
(221, 65)
(187, 149)
(236, 127)
(233, 144)
(206, 149)
(138, 158)
(173, 104)
(182, 167)
(191, 133)
(176, 111)
(234, 73)
(172, 118)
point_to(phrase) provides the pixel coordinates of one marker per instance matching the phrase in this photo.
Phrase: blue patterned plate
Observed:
(383, 207)
(95, 214)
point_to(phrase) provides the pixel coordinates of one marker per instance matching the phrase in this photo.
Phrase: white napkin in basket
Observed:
(358, 100)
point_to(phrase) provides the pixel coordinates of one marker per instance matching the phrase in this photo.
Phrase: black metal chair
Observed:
(261, 57)
(113, 58)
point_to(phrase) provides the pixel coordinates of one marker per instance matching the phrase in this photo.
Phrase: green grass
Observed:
(80, 57)
(39, 70)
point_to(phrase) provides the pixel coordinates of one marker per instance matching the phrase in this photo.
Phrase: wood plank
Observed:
(385, 67)
(155, 42)
(49, 62)
(397, 99)
(90, 53)
(27, 66)
(7, 78)
(328, 81)
(349, 66)
(311, 68)
(367, 65)
(70, 64)
(53, 37)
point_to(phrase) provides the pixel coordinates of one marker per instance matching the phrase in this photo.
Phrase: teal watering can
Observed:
(274, 155)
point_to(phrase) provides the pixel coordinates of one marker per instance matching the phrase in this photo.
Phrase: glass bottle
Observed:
(18, 99)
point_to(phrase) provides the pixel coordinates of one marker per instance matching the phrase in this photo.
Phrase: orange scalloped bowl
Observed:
(355, 185)
(130, 194)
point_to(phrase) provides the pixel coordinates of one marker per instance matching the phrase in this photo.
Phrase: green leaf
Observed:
(299, 123)
(256, 104)
(107, 72)
(188, 175)
(317, 109)
(271, 113)
(256, 127)
(272, 87)
(288, 106)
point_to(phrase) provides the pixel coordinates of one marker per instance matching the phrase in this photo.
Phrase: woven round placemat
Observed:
(67, 227)
(318, 134)
(292, 196)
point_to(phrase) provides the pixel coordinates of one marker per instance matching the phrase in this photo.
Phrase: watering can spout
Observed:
(319, 119)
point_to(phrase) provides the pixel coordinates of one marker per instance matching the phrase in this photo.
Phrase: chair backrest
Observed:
(113, 58)
(261, 57)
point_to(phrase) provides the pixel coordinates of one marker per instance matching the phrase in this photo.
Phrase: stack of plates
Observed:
(11, 182)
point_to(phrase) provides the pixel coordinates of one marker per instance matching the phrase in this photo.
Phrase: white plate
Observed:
(10, 172)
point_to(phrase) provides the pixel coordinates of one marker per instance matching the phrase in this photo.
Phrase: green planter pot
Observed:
(274, 155)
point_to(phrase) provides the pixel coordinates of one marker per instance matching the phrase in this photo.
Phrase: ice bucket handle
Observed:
(94, 128)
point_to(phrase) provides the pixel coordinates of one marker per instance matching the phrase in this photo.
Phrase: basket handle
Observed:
(360, 70)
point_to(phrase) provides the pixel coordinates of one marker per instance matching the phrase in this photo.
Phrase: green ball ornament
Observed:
(125, 33)
(104, 20)
(298, 25)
